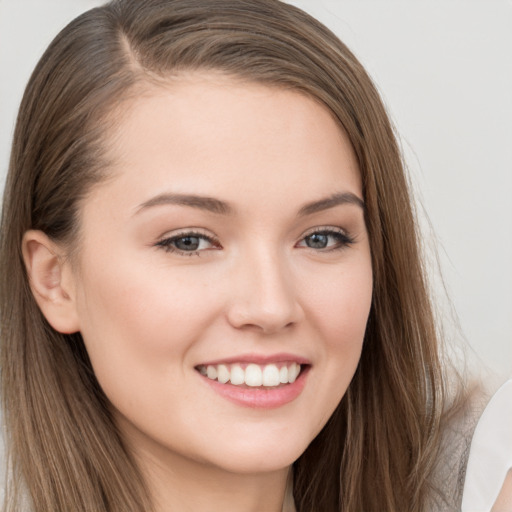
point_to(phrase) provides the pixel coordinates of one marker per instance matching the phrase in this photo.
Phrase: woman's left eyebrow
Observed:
(330, 202)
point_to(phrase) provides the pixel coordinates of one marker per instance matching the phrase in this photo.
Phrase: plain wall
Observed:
(444, 69)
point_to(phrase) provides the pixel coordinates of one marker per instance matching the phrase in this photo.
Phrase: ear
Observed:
(51, 281)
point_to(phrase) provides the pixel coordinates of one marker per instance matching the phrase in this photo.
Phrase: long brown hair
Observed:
(378, 449)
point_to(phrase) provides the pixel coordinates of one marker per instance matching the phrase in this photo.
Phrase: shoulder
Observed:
(491, 452)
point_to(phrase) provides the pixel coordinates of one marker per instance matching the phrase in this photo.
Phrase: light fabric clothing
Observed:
(491, 453)
(289, 504)
(450, 470)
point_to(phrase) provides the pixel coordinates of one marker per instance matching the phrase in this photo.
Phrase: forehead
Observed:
(212, 134)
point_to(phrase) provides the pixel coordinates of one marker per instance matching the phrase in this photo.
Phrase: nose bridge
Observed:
(265, 293)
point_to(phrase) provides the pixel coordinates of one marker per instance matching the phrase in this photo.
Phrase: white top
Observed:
(490, 457)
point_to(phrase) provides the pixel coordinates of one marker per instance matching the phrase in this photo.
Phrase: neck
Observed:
(176, 482)
(190, 486)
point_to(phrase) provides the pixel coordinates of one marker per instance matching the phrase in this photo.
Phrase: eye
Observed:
(188, 243)
(326, 239)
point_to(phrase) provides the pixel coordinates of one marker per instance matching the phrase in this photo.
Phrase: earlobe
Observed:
(50, 282)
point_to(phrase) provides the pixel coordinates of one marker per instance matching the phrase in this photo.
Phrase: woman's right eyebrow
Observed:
(209, 204)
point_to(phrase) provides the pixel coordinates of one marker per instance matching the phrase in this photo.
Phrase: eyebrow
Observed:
(217, 206)
(209, 204)
(330, 202)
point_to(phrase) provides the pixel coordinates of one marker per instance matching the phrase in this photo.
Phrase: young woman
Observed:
(212, 295)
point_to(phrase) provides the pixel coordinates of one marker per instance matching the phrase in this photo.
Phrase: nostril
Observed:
(264, 295)
(252, 315)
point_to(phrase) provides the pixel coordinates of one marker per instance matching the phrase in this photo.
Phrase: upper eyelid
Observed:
(202, 233)
(324, 229)
(199, 232)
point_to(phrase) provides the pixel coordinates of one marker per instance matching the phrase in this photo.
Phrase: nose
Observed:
(264, 295)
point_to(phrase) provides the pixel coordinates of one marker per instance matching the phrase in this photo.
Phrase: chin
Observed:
(259, 457)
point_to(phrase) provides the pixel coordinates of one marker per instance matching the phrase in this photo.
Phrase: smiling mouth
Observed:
(252, 375)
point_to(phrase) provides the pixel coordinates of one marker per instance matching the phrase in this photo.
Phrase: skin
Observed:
(149, 316)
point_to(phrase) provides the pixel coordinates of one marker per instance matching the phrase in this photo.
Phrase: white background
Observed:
(444, 69)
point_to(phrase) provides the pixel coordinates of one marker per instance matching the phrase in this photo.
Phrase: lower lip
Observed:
(259, 397)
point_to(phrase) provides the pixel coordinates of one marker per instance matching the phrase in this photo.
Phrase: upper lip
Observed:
(261, 359)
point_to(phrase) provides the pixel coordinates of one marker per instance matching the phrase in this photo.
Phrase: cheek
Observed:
(340, 303)
(339, 311)
(123, 300)
(139, 323)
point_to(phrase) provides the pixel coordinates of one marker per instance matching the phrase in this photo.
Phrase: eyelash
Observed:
(343, 240)
(167, 244)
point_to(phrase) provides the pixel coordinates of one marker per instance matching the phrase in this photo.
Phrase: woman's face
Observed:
(230, 243)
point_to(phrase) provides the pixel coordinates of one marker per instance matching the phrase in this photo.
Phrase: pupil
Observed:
(317, 241)
(188, 243)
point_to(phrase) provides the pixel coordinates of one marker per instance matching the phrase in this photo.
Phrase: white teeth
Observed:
(269, 375)
(223, 373)
(211, 372)
(253, 376)
(237, 375)
(283, 375)
(293, 372)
